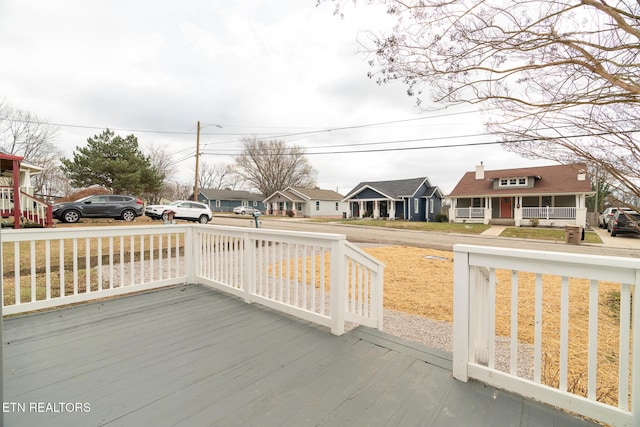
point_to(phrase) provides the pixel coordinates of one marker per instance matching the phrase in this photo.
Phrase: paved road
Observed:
(615, 246)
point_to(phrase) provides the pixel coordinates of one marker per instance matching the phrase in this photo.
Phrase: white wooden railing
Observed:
(319, 277)
(549, 212)
(32, 209)
(469, 212)
(566, 290)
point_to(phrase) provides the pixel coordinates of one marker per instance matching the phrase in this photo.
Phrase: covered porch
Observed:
(546, 210)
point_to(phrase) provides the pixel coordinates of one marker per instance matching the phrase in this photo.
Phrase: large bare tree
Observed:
(22, 133)
(269, 166)
(218, 176)
(560, 77)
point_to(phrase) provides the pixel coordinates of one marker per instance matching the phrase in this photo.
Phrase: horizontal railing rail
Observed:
(545, 298)
(549, 212)
(318, 277)
(469, 212)
(45, 268)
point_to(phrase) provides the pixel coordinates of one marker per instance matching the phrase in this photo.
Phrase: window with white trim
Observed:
(430, 205)
(416, 206)
(317, 205)
(518, 181)
(337, 206)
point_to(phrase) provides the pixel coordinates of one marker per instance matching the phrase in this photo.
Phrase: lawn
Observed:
(443, 227)
(544, 233)
(536, 233)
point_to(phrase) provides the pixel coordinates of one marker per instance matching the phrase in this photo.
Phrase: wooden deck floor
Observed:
(192, 356)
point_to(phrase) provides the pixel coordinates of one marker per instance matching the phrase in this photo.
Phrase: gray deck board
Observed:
(191, 356)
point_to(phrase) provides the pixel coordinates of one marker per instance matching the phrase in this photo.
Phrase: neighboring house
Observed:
(226, 200)
(547, 195)
(412, 199)
(15, 178)
(306, 202)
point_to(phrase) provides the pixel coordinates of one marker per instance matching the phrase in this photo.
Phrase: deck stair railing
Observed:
(32, 209)
(321, 278)
(544, 297)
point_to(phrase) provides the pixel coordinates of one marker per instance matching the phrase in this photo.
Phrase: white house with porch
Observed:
(547, 195)
(307, 203)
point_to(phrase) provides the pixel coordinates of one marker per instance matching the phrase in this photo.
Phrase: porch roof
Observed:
(557, 179)
(189, 355)
(395, 190)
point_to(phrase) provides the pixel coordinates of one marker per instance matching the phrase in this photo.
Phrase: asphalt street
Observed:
(626, 246)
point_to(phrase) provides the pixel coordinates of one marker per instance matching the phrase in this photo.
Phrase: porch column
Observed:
(581, 210)
(392, 209)
(361, 209)
(452, 210)
(517, 210)
(376, 209)
(487, 210)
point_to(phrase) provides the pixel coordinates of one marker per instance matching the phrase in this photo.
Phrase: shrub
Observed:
(534, 222)
(442, 218)
(290, 213)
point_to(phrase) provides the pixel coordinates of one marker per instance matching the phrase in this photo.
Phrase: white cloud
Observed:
(254, 67)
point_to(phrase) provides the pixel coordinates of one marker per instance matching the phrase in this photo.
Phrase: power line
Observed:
(470, 144)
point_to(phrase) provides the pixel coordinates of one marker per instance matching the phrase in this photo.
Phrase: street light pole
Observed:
(195, 186)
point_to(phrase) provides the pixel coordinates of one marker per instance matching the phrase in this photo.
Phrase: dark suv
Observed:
(624, 221)
(115, 206)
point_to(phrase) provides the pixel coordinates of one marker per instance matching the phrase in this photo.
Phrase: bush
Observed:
(290, 213)
(442, 218)
(534, 222)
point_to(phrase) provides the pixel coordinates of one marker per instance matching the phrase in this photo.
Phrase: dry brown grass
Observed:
(420, 286)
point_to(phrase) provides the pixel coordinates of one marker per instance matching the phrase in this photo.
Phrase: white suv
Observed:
(182, 209)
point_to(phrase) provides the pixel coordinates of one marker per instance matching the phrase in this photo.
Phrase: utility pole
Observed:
(195, 186)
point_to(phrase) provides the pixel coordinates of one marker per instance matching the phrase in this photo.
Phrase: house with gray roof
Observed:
(412, 199)
(307, 203)
(226, 200)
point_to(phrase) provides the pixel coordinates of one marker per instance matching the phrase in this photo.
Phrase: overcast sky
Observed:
(282, 69)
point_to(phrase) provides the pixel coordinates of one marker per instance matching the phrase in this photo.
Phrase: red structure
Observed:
(24, 207)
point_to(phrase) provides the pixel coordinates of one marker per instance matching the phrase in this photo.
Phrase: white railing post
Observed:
(461, 286)
(249, 268)
(338, 292)
(379, 295)
(635, 361)
(192, 263)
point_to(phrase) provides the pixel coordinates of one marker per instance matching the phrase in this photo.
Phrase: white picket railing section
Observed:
(319, 277)
(475, 285)
(469, 213)
(549, 212)
(293, 272)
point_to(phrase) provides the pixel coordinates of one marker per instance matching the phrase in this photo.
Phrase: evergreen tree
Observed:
(113, 162)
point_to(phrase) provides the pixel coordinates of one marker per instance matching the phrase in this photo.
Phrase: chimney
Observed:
(480, 171)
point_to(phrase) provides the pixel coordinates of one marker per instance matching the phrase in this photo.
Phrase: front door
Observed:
(505, 207)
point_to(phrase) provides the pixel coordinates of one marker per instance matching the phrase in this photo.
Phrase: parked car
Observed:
(244, 210)
(182, 209)
(605, 217)
(115, 206)
(624, 221)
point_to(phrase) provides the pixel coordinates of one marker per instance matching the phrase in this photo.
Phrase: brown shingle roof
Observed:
(559, 179)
